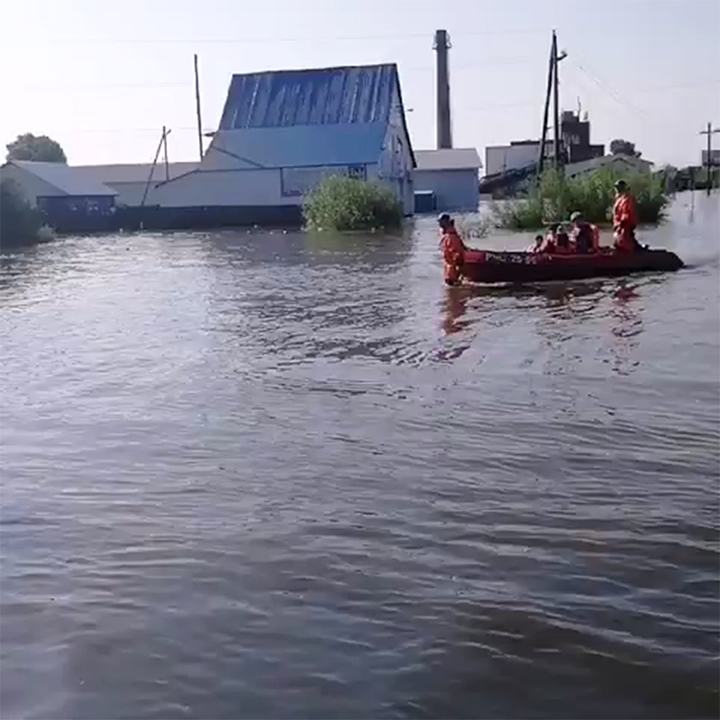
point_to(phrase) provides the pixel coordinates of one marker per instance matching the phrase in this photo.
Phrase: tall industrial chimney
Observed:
(442, 45)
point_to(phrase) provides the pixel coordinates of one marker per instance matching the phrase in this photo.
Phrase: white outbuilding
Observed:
(447, 180)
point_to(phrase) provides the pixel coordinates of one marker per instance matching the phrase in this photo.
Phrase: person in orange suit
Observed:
(453, 249)
(624, 218)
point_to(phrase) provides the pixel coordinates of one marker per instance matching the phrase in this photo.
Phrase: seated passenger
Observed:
(563, 243)
(549, 243)
(586, 236)
(535, 247)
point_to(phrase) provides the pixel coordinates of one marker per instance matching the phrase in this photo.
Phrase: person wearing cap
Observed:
(453, 249)
(585, 236)
(624, 218)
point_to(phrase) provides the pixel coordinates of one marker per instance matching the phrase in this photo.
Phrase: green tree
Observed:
(39, 148)
(623, 147)
(20, 223)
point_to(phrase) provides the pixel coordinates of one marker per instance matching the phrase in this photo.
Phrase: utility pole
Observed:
(709, 132)
(556, 103)
(165, 154)
(163, 141)
(543, 135)
(552, 90)
(197, 106)
(442, 45)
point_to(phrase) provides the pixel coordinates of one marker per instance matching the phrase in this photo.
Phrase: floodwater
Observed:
(276, 476)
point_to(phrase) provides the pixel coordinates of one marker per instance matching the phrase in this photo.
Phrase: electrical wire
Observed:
(266, 40)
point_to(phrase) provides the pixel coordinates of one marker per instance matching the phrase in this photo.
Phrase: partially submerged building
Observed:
(447, 179)
(132, 181)
(282, 132)
(56, 188)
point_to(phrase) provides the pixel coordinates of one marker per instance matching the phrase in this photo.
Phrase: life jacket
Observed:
(562, 244)
(625, 213)
(584, 239)
(453, 250)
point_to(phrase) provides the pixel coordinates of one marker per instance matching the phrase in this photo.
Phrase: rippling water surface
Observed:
(272, 476)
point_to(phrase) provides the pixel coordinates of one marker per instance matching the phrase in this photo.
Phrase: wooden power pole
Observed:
(557, 137)
(553, 84)
(165, 154)
(709, 162)
(543, 135)
(197, 106)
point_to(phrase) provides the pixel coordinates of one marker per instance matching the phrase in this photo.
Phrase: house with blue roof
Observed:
(281, 132)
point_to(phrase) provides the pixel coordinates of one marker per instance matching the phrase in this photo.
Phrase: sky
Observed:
(102, 77)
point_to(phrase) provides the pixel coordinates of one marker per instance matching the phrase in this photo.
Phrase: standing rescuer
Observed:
(624, 218)
(453, 249)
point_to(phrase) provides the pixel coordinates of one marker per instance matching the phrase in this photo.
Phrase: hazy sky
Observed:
(103, 77)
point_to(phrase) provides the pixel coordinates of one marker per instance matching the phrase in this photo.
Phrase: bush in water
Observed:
(556, 198)
(343, 203)
(19, 222)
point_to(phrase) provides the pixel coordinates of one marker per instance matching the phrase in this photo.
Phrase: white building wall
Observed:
(455, 190)
(260, 187)
(31, 186)
(501, 158)
(223, 187)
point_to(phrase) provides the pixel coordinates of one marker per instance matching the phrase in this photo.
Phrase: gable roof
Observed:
(133, 172)
(634, 163)
(296, 118)
(64, 178)
(326, 96)
(448, 159)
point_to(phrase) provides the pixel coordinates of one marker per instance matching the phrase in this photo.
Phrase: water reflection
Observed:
(626, 326)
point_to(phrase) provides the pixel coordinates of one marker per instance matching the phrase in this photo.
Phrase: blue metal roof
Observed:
(346, 95)
(303, 145)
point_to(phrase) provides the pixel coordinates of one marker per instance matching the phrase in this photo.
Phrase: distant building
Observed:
(715, 158)
(282, 132)
(58, 189)
(575, 135)
(520, 154)
(619, 164)
(447, 180)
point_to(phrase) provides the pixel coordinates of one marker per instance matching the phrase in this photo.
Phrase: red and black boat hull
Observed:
(487, 266)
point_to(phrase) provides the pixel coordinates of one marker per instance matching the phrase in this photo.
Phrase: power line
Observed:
(611, 93)
(266, 40)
